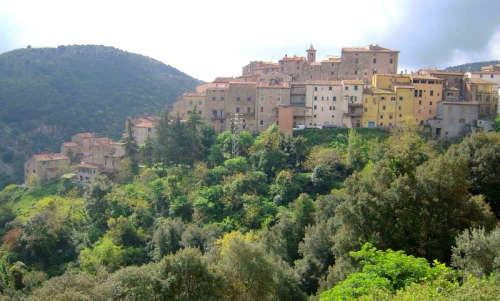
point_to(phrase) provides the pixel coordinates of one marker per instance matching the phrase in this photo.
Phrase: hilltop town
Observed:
(361, 88)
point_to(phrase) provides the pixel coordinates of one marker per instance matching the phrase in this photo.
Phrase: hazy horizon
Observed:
(206, 40)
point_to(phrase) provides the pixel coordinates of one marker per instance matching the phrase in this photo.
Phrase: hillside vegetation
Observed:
(329, 214)
(476, 66)
(48, 94)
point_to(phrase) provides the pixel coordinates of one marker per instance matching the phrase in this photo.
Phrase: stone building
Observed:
(186, 103)
(472, 111)
(269, 98)
(241, 100)
(389, 102)
(428, 93)
(41, 168)
(143, 128)
(86, 172)
(328, 105)
(485, 94)
(215, 111)
(363, 62)
(489, 73)
(352, 92)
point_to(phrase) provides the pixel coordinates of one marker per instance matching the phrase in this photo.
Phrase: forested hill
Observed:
(476, 66)
(48, 94)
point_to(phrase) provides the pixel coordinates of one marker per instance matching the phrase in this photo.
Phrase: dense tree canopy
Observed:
(331, 214)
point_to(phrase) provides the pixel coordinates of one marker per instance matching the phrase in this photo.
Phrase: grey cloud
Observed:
(432, 30)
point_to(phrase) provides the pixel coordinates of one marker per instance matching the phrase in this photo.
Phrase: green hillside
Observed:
(476, 66)
(48, 94)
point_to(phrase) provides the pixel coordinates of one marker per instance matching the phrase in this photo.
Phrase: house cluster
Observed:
(82, 158)
(359, 88)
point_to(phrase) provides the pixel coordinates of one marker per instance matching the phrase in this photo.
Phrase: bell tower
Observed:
(311, 54)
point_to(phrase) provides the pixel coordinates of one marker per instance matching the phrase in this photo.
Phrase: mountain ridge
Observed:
(48, 94)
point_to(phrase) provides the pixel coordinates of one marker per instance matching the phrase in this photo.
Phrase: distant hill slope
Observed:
(476, 66)
(48, 94)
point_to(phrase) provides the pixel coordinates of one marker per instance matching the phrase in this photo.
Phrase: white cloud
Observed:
(205, 38)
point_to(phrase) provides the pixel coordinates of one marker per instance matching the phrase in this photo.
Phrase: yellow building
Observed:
(428, 93)
(389, 101)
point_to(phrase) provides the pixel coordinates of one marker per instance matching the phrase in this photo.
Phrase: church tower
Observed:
(311, 54)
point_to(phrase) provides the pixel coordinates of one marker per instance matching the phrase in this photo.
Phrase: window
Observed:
(491, 75)
(214, 112)
(314, 115)
(399, 108)
(400, 97)
(356, 88)
(356, 72)
(419, 102)
(315, 97)
(238, 98)
(330, 108)
(322, 98)
(393, 98)
(430, 103)
(356, 60)
(237, 109)
(390, 60)
(330, 88)
(262, 122)
(333, 108)
(431, 93)
(315, 107)
(419, 93)
(315, 88)
(374, 60)
(416, 93)
(346, 88)
(262, 109)
(213, 98)
(383, 108)
(381, 116)
(333, 116)
(249, 98)
(382, 98)
(334, 98)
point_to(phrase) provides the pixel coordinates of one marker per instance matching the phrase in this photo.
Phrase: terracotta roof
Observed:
(369, 48)
(144, 122)
(50, 157)
(88, 165)
(404, 87)
(70, 144)
(425, 76)
(324, 82)
(352, 82)
(479, 81)
(293, 58)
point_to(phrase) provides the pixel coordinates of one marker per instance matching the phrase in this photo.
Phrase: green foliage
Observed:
(383, 270)
(477, 252)
(277, 219)
(104, 86)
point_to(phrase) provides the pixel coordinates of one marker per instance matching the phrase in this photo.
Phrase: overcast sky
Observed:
(210, 38)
